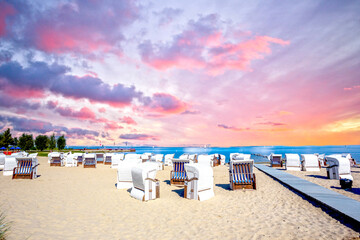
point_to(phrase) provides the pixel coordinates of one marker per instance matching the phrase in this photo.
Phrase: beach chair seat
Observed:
(99, 158)
(89, 160)
(292, 162)
(145, 185)
(9, 165)
(25, 168)
(108, 158)
(178, 174)
(241, 174)
(168, 159)
(309, 162)
(56, 160)
(199, 183)
(276, 160)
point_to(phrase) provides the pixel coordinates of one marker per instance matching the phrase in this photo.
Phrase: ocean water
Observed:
(354, 150)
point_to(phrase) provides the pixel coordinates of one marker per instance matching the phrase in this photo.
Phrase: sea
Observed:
(259, 153)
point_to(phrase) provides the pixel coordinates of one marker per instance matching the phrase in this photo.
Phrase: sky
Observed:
(179, 73)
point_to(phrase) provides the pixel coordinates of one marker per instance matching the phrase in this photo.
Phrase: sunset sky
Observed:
(175, 73)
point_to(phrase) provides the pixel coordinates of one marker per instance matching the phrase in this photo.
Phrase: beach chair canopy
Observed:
(292, 160)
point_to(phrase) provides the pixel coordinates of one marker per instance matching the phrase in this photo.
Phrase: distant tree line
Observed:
(26, 141)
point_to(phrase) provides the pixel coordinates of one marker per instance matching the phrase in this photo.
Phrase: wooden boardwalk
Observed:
(336, 201)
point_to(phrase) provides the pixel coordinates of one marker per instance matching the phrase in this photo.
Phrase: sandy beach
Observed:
(78, 203)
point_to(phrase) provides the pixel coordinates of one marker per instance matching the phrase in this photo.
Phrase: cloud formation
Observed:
(203, 45)
(71, 27)
(31, 125)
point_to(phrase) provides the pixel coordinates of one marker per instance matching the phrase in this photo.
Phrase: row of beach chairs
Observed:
(338, 166)
(19, 165)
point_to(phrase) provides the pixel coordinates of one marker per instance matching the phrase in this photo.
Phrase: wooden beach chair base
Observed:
(107, 163)
(89, 166)
(177, 182)
(55, 164)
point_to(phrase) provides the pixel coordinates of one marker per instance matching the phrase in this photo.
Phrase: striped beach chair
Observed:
(241, 174)
(178, 174)
(89, 160)
(276, 160)
(108, 158)
(79, 157)
(99, 158)
(25, 168)
(56, 160)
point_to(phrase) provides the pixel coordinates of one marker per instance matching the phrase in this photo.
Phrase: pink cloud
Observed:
(6, 10)
(128, 120)
(202, 45)
(165, 104)
(102, 110)
(352, 88)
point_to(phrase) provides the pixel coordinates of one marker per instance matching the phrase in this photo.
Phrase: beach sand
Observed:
(78, 203)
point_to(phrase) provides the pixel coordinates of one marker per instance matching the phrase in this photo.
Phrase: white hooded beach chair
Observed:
(146, 157)
(145, 185)
(338, 167)
(292, 162)
(178, 174)
(70, 160)
(89, 160)
(168, 159)
(184, 156)
(79, 157)
(222, 157)
(124, 177)
(276, 160)
(10, 164)
(158, 159)
(199, 183)
(241, 174)
(56, 160)
(309, 162)
(25, 168)
(116, 159)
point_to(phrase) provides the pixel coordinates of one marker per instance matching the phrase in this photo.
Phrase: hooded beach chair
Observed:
(56, 159)
(70, 160)
(309, 162)
(292, 162)
(338, 167)
(168, 159)
(221, 158)
(276, 160)
(241, 174)
(145, 185)
(178, 174)
(184, 156)
(89, 160)
(199, 183)
(116, 159)
(158, 159)
(25, 168)
(99, 158)
(193, 158)
(124, 177)
(79, 157)
(108, 158)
